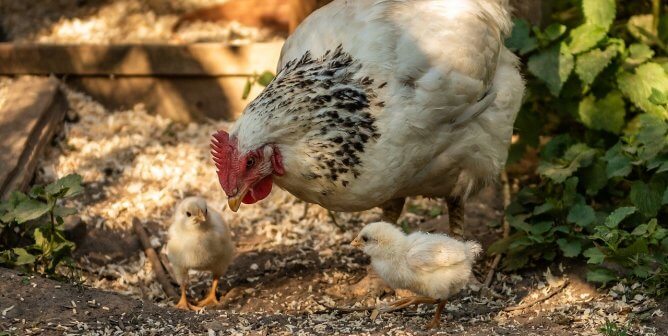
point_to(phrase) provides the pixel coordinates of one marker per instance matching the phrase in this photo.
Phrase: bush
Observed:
(31, 226)
(599, 88)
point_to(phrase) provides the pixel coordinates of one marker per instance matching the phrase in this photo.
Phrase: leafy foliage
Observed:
(31, 225)
(599, 87)
(263, 79)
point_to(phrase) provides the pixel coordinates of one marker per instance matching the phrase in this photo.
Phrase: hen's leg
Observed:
(436, 322)
(211, 298)
(392, 209)
(183, 302)
(456, 215)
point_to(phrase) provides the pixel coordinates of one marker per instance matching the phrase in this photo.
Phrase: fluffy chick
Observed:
(434, 266)
(198, 240)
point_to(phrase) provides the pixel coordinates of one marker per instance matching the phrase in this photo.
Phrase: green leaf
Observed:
(665, 197)
(23, 257)
(590, 64)
(638, 87)
(642, 271)
(599, 12)
(64, 211)
(601, 275)
(40, 241)
(646, 197)
(618, 216)
(641, 27)
(658, 97)
(581, 214)
(30, 209)
(543, 208)
(606, 114)
(65, 187)
(595, 177)
(553, 66)
(540, 228)
(639, 53)
(640, 230)
(265, 78)
(520, 39)
(247, 89)
(554, 31)
(586, 37)
(571, 248)
(578, 155)
(647, 134)
(594, 255)
(619, 165)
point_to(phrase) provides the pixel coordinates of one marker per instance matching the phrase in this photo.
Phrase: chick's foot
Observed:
(183, 302)
(210, 299)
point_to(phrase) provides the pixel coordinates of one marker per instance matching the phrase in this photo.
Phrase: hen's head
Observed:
(246, 176)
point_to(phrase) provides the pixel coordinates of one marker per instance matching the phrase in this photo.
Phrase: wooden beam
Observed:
(32, 112)
(199, 59)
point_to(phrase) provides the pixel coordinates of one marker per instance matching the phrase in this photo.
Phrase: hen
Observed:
(198, 240)
(378, 100)
(432, 265)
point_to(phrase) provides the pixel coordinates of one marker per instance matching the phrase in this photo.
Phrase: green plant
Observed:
(599, 88)
(263, 79)
(611, 329)
(31, 225)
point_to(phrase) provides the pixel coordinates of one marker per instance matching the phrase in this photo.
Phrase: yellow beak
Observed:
(357, 242)
(200, 217)
(234, 202)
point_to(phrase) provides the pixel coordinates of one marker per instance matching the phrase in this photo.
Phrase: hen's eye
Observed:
(250, 162)
(188, 213)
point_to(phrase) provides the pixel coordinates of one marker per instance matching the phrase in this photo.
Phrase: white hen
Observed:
(198, 240)
(432, 265)
(378, 100)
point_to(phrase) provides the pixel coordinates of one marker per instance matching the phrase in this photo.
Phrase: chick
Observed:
(434, 266)
(198, 240)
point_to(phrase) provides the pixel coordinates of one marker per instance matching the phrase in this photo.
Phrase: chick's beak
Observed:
(200, 217)
(357, 242)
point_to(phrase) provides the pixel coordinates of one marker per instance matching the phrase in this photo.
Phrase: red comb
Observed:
(223, 155)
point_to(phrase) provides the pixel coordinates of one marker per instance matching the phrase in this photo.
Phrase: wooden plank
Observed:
(199, 59)
(30, 116)
(183, 99)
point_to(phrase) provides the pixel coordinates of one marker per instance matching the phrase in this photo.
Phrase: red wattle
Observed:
(259, 191)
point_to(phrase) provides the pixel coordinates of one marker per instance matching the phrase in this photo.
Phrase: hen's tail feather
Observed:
(473, 248)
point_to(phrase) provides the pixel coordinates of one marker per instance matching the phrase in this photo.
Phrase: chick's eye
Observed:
(365, 239)
(188, 213)
(250, 162)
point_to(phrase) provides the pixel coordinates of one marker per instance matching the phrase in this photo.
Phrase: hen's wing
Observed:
(438, 56)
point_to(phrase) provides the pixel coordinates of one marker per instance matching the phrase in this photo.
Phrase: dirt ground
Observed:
(292, 264)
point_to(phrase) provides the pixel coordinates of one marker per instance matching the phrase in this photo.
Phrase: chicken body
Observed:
(375, 101)
(432, 265)
(198, 240)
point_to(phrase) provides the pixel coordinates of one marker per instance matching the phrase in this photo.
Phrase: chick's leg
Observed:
(183, 302)
(407, 302)
(436, 321)
(210, 299)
